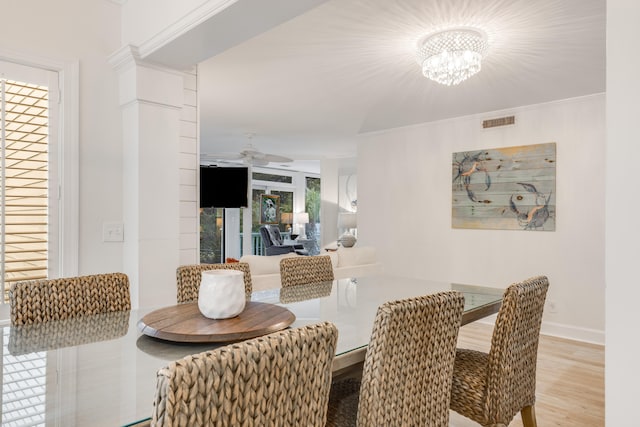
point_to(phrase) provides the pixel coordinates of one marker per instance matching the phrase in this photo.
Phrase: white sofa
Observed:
(347, 262)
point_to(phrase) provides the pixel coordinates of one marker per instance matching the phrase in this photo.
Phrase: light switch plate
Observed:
(112, 232)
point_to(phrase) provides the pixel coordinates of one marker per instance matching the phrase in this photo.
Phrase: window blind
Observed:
(23, 181)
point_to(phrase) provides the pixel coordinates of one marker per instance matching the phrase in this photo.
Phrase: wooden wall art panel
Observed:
(510, 188)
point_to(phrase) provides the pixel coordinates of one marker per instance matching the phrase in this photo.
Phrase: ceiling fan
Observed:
(249, 155)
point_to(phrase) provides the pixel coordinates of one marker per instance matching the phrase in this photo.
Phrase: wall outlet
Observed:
(112, 232)
(552, 307)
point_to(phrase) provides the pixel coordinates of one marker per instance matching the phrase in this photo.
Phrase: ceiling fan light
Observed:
(452, 56)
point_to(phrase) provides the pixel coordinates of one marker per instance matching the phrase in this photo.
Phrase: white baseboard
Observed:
(592, 336)
(560, 330)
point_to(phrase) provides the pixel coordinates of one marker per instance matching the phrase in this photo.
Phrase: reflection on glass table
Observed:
(101, 371)
(67, 333)
(352, 303)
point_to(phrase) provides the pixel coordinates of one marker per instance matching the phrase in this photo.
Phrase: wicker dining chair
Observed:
(406, 379)
(305, 269)
(282, 379)
(39, 301)
(188, 278)
(492, 388)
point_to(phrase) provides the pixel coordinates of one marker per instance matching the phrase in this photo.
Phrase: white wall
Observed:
(55, 32)
(404, 208)
(623, 230)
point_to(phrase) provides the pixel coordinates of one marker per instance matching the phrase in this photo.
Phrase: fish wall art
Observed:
(510, 188)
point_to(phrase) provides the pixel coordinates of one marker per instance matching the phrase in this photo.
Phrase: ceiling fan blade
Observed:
(221, 156)
(254, 161)
(276, 158)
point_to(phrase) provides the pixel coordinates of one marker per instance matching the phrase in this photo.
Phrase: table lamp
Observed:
(347, 221)
(287, 219)
(301, 218)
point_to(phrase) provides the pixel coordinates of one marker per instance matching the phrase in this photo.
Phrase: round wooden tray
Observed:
(185, 323)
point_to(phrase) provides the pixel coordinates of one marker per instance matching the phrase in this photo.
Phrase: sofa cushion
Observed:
(334, 258)
(261, 264)
(356, 256)
(346, 263)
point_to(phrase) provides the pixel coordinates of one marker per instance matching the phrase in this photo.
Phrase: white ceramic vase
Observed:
(347, 240)
(221, 294)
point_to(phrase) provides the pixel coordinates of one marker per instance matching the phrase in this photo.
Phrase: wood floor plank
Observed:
(570, 380)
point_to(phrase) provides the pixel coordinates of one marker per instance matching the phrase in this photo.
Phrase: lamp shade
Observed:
(301, 218)
(347, 220)
(286, 218)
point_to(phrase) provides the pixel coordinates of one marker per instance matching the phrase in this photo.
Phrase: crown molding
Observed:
(182, 26)
(129, 55)
(126, 55)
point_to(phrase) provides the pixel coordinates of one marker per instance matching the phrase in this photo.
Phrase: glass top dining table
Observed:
(101, 370)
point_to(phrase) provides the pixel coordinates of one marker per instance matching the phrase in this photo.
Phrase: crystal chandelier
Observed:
(452, 56)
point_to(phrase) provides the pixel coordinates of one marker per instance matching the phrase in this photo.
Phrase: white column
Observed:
(622, 228)
(151, 98)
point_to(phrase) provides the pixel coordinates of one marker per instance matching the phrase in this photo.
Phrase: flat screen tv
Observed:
(224, 187)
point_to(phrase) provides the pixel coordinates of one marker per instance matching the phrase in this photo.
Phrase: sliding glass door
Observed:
(223, 233)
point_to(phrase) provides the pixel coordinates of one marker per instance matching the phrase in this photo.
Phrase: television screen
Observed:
(224, 187)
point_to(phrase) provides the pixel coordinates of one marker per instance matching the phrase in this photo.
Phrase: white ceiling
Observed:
(307, 87)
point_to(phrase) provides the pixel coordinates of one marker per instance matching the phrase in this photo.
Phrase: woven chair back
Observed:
(408, 368)
(282, 379)
(511, 373)
(305, 269)
(188, 278)
(58, 299)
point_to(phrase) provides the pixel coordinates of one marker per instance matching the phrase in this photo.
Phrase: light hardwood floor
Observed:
(570, 380)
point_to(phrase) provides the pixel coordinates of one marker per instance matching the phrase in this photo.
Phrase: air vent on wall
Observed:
(502, 121)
